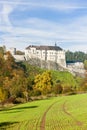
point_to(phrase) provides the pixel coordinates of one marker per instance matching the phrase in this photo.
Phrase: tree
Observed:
(2, 61)
(2, 95)
(10, 61)
(43, 82)
(16, 84)
(76, 56)
(85, 64)
(2, 50)
(84, 83)
(58, 88)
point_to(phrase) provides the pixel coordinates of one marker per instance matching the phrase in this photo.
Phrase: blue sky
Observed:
(44, 22)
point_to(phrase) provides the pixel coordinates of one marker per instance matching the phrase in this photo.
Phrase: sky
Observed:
(44, 22)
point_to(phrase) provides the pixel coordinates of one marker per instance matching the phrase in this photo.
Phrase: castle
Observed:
(43, 53)
(46, 53)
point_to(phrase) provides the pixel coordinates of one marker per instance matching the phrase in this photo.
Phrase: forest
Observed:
(75, 56)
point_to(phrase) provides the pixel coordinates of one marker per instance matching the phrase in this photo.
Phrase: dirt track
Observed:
(42, 124)
(64, 108)
(77, 122)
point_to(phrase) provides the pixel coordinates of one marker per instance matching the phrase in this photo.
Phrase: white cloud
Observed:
(5, 16)
(75, 31)
(78, 47)
(53, 5)
(40, 30)
(48, 32)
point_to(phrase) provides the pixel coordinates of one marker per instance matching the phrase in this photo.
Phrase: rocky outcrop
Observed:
(46, 64)
(76, 71)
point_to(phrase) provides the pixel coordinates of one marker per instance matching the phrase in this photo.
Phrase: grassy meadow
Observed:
(58, 113)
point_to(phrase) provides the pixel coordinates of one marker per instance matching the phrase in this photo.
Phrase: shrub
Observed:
(58, 89)
(66, 89)
(19, 100)
(35, 93)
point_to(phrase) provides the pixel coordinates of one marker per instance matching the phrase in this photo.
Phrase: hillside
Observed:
(21, 80)
(66, 78)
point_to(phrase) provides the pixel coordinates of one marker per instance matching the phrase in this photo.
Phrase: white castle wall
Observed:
(19, 57)
(57, 56)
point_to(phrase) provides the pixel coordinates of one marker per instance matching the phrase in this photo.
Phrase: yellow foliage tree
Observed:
(43, 82)
(2, 95)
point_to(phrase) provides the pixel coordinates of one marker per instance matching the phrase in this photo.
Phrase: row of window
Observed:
(39, 52)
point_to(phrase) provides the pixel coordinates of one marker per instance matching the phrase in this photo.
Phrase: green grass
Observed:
(66, 78)
(66, 113)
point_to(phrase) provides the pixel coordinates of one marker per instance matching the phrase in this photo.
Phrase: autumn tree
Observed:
(10, 61)
(58, 88)
(43, 82)
(2, 50)
(2, 63)
(2, 95)
(19, 83)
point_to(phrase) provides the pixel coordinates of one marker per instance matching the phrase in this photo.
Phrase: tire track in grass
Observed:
(64, 107)
(43, 121)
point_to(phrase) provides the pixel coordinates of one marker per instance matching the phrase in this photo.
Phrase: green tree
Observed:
(76, 56)
(85, 64)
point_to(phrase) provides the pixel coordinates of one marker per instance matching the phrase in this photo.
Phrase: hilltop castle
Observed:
(47, 57)
(43, 53)
(46, 53)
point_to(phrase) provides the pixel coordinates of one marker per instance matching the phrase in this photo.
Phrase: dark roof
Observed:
(45, 47)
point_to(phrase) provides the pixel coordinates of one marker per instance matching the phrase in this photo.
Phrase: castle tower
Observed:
(4, 48)
(12, 51)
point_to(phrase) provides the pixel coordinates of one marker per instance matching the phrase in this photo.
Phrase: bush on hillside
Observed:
(37, 93)
(68, 90)
(58, 88)
(19, 100)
